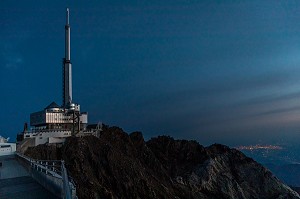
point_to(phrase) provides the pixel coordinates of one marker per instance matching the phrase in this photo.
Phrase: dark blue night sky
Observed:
(226, 72)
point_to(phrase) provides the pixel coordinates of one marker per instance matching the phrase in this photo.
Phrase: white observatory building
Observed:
(55, 123)
(6, 148)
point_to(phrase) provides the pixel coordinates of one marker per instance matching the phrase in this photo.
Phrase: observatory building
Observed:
(6, 148)
(54, 123)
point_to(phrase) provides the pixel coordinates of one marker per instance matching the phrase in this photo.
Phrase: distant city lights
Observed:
(258, 146)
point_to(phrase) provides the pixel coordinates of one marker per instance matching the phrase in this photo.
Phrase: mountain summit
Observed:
(118, 165)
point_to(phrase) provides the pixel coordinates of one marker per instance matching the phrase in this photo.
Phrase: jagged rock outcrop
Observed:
(118, 165)
(44, 152)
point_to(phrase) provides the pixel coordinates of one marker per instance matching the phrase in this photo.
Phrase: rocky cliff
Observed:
(118, 165)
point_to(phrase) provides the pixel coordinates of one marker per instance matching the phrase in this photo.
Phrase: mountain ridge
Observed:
(118, 165)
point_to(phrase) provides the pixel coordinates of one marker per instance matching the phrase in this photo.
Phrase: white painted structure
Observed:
(50, 136)
(6, 148)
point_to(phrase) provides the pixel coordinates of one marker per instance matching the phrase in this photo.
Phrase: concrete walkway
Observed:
(15, 182)
(11, 168)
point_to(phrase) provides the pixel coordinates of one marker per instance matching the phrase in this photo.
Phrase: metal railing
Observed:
(48, 130)
(54, 168)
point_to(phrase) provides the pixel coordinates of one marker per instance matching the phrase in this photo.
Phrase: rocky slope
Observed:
(118, 165)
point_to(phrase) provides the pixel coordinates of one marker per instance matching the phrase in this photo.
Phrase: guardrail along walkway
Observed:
(15, 182)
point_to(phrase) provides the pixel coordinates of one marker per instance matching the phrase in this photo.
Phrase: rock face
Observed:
(118, 165)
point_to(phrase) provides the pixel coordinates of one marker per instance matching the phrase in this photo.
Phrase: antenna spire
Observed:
(68, 13)
(67, 66)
